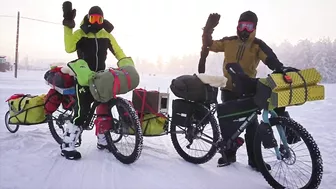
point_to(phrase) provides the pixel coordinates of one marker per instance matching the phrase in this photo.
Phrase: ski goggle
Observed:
(93, 18)
(249, 26)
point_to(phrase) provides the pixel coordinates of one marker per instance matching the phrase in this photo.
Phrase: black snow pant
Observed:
(83, 105)
(251, 129)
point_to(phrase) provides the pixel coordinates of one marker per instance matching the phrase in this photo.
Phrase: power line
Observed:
(8, 16)
(33, 19)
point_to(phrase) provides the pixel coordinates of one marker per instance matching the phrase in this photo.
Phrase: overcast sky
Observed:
(148, 28)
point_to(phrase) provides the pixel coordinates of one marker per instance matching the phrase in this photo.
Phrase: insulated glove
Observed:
(285, 69)
(211, 23)
(69, 14)
(208, 29)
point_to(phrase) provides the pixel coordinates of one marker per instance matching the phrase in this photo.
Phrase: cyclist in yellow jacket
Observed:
(242, 53)
(91, 42)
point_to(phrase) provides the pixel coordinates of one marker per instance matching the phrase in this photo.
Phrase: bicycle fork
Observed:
(280, 130)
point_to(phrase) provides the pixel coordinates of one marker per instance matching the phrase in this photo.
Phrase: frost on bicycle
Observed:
(30, 157)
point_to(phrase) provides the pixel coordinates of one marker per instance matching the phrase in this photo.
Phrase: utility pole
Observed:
(17, 44)
(17, 36)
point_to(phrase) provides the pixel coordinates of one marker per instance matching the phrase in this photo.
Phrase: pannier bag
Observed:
(26, 109)
(232, 114)
(105, 85)
(151, 107)
(185, 113)
(57, 78)
(190, 87)
(52, 100)
(274, 92)
(182, 111)
(103, 121)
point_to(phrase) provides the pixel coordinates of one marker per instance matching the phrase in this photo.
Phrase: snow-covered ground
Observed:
(30, 158)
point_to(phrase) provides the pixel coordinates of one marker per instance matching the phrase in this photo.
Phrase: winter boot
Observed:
(70, 138)
(101, 142)
(231, 153)
(253, 165)
(250, 154)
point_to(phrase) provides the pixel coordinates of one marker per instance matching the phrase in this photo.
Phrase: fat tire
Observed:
(213, 150)
(317, 163)
(51, 125)
(138, 135)
(54, 134)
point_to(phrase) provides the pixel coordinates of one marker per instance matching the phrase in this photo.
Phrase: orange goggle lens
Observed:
(96, 18)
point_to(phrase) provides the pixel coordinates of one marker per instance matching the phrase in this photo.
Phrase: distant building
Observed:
(4, 65)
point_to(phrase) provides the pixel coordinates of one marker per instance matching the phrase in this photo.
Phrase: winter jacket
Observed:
(247, 54)
(92, 47)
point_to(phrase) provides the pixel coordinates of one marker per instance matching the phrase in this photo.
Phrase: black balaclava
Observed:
(247, 16)
(94, 28)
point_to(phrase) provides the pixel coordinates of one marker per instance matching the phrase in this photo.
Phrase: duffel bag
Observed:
(57, 78)
(191, 87)
(105, 85)
(26, 109)
(294, 88)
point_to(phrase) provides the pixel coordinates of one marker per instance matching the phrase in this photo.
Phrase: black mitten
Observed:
(69, 14)
(285, 69)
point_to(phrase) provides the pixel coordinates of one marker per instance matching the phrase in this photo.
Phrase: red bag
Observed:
(68, 101)
(103, 121)
(53, 100)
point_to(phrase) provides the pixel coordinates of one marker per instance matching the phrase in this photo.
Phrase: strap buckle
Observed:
(287, 78)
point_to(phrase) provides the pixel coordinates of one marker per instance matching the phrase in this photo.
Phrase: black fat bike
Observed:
(280, 147)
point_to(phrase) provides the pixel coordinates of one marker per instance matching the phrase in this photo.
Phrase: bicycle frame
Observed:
(91, 115)
(245, 124)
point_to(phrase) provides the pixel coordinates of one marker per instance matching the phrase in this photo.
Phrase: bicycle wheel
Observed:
(13, 129)
(115, 134)
(57, 121)
(195, 133)
(290, 159)
(129, 127)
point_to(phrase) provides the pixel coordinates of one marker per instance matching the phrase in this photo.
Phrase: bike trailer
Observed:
(26, 109)
(293, 88)
(153, 125)
(152, 109)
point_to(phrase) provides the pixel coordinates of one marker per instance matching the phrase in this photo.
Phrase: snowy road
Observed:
(30, 159)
